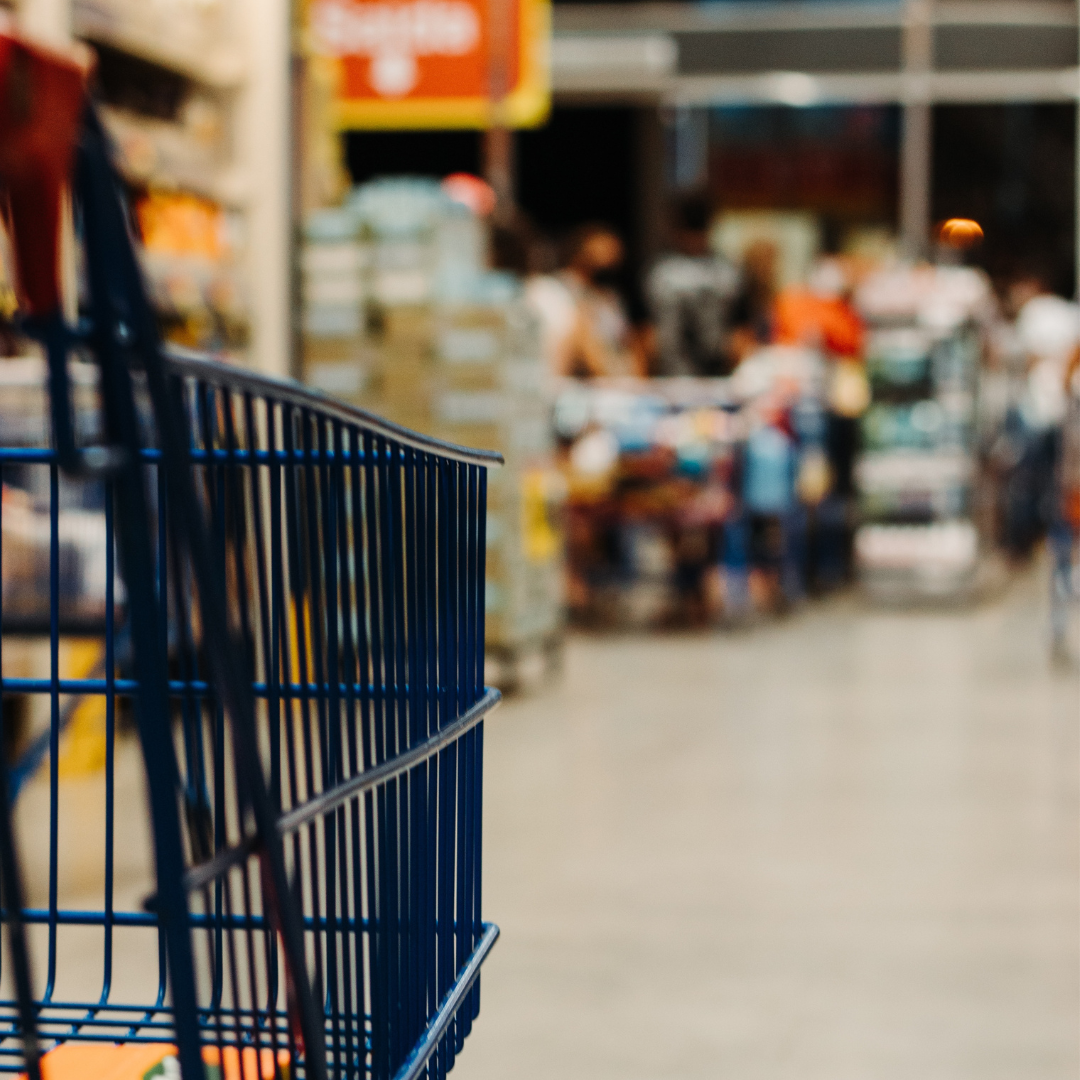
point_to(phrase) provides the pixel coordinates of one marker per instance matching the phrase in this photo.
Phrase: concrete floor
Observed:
(842, 846)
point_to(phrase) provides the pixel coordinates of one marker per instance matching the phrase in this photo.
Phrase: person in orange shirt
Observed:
(819, 314)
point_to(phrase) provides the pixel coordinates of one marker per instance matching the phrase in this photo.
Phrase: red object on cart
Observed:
(42, 96)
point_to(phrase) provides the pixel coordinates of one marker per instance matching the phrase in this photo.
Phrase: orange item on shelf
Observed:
(105, 1061)
(180, 224)
(801, 317)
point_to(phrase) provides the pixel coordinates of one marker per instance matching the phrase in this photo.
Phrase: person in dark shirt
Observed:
(690, 292)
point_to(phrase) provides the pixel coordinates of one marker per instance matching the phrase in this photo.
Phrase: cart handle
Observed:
(204, 368)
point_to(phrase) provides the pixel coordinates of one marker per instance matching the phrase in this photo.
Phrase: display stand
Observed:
(916, 477)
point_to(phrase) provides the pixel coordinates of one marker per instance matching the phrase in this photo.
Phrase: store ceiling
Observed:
(803, 54)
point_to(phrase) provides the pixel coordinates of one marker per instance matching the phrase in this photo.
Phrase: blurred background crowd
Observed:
(774, 404)
(747, 318)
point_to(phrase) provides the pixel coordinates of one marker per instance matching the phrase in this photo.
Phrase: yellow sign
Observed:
(540, 539)
(434, 63)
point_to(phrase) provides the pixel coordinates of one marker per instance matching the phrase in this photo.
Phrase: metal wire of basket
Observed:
(356, 558)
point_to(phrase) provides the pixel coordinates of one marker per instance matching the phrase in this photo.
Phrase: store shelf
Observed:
(164, 70)
(891, 470)
(164, 155)
(917, 475)
(222, 68)
(229, 186)
(234, 55)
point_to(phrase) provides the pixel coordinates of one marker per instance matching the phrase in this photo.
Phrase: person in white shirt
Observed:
(584, 328)
(586, 331)
(1048, 331)
(1048, 334)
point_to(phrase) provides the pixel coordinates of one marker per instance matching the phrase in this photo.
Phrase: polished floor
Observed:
(843, 846)
(839, 846)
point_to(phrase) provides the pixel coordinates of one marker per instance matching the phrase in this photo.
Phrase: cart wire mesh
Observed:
(352, 555)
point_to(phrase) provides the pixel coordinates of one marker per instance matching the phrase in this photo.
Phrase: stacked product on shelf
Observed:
(27, 497)
(918, 471)
(401, 225)
(193, 37)
(375, 272)
(168, 75)
(691, 500)
(189, 252)
(490, 390)
(334, 312)
(402, 318)
(31, 491)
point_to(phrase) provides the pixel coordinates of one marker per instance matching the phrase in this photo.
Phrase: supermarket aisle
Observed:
(843, 847)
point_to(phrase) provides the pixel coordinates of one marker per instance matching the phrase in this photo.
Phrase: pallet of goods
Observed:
(917, 474)
(402, 318)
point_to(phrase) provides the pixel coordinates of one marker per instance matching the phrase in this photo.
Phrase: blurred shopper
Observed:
(603, 342)
(691, 292)
(586, 331)
(752, 312)
(1065, 528)
(768, 497)
(1048, 332)
(821, 315)
(516, 247)
(1048, 328)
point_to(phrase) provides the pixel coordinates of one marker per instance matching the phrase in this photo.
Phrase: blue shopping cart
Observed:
(304, 602)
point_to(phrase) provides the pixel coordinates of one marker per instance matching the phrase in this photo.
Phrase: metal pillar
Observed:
(651, 201)
(265, 149)
(688, 164)
(916, 131)
(499, 169)
(499, 139)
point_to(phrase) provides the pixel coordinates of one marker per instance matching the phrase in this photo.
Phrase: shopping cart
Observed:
(305, 604)
(1064, 538)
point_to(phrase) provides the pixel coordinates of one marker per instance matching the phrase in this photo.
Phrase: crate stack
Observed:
(491, 391)
(374, 274)
(917, 473)
(402, 318)
(400, 223)
(332, 271)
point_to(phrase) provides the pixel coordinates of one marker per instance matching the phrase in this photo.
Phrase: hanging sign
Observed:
(434, 63)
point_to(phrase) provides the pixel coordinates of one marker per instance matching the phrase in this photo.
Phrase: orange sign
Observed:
(432, 63)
